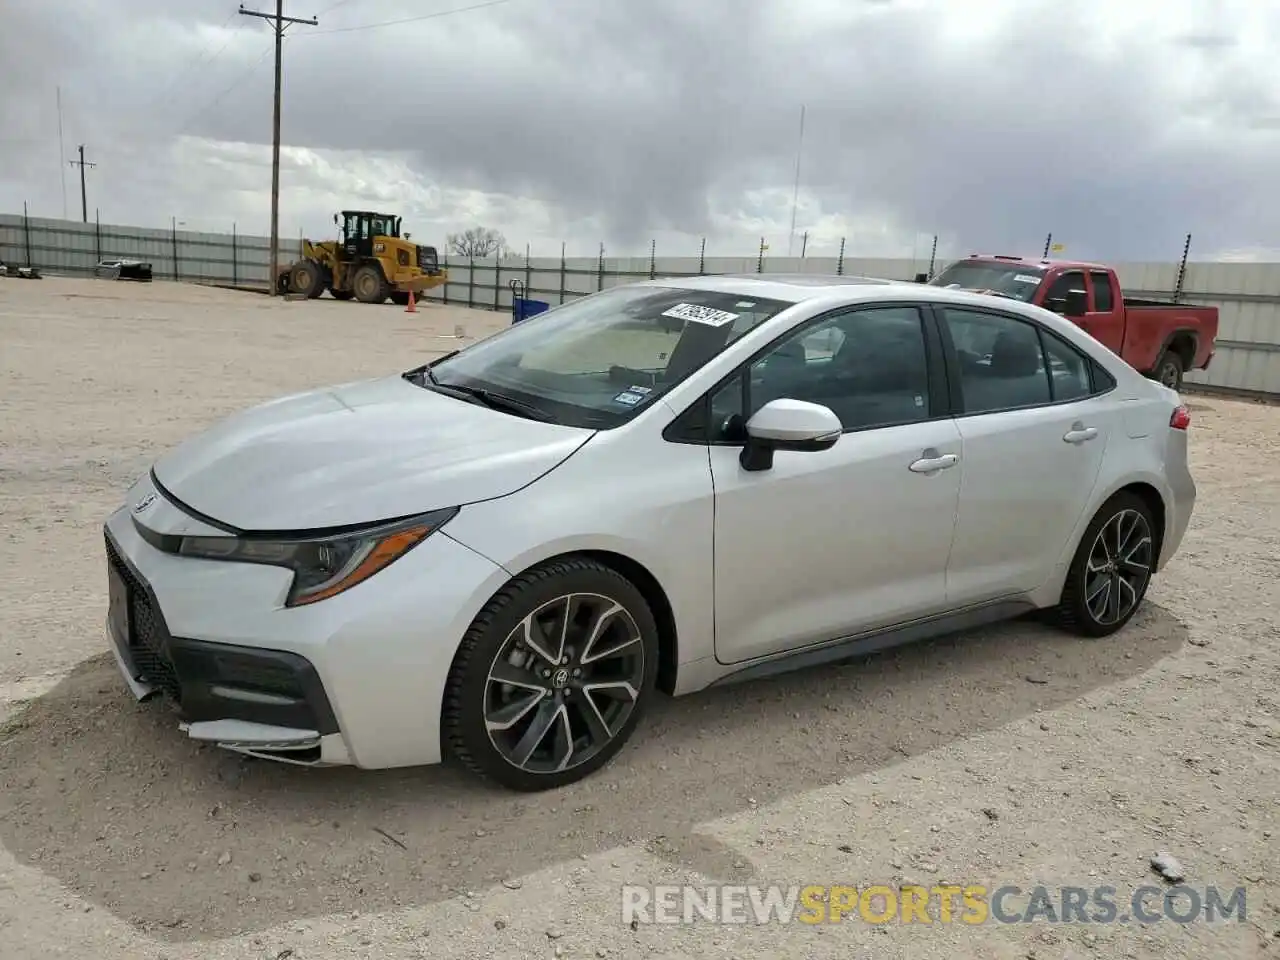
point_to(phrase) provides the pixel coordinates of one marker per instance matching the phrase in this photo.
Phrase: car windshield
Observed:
(1017, 280)
(597, 361)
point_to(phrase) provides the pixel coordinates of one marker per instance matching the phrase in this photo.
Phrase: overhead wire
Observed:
(403, 20)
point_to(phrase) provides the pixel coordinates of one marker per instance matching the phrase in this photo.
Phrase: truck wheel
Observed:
(340, 294)
(1169, 370)
(305, 278)
(369, 285)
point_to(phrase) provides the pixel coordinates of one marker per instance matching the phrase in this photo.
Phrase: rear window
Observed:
(1018, 281)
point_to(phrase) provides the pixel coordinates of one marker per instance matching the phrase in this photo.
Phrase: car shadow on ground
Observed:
(189, 843)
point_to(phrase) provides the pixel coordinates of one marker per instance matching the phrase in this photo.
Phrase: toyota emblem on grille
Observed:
(145, 502)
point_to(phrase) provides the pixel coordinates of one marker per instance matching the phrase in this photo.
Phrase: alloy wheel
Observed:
(564, 682)
(1118, 567)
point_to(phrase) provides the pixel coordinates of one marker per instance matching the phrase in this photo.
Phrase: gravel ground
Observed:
(1010, 756)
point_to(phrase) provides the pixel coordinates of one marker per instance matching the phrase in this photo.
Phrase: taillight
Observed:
(1181, 418)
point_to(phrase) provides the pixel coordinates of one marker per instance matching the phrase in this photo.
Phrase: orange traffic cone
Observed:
(413, 306)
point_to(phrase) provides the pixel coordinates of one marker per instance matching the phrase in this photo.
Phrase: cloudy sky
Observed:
(1119, 125)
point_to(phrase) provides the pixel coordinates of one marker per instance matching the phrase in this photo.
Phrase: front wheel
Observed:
(369, 285)
(552, 677)
(1111, 569)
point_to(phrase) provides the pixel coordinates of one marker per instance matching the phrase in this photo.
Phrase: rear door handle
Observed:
(933, 464)
(1079, 434)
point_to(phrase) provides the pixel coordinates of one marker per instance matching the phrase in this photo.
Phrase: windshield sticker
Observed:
(628, 398)
(745, 304)
(699, 314)
(1026, 278)
(641, 390)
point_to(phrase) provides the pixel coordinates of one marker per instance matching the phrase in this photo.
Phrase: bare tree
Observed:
(477, 242)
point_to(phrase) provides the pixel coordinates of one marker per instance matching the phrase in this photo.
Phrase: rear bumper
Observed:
(1182, 496)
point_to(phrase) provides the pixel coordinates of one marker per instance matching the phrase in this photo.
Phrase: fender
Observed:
(1191, 332)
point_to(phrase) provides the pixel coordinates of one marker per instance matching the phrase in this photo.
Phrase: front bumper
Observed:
(242, 698)
(363, 672)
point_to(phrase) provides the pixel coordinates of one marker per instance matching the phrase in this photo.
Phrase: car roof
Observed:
(1045, 263)
(789, 287)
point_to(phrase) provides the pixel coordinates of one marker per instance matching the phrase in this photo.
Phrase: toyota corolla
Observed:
(505, 553)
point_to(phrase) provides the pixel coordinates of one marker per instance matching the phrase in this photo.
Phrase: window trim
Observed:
(681, 428)
(953, 361)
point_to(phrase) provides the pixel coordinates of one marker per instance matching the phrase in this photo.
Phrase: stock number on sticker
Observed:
(699, 314)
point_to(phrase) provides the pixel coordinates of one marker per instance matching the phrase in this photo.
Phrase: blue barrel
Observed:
(522, 308)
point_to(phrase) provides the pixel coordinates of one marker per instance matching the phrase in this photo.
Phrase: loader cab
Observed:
(359, 227)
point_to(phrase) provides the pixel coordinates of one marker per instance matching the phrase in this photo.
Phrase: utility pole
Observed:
(84, 197)
(279, 23)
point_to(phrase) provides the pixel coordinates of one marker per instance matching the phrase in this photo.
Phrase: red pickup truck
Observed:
(1160, 339)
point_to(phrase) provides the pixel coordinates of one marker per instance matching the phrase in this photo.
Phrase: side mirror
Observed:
(1076, 304)
(408, 235)
(788, 425)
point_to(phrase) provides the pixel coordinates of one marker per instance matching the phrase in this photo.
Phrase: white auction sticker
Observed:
(1026, 278)
(699, 314)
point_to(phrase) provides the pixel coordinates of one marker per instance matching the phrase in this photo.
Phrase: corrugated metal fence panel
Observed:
(1247, 295)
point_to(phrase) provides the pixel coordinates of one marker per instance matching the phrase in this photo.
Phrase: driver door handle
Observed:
(1079, 433)
(932, 464)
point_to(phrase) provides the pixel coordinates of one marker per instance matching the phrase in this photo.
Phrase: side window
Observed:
(1068, 369)
(1103, 301)
(1000, 360)
(868, 366)
(1056, 298)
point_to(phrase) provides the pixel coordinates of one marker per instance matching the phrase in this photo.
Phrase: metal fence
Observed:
(1247, 294)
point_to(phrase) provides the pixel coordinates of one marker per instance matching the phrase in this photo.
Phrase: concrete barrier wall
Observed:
(1246, 294)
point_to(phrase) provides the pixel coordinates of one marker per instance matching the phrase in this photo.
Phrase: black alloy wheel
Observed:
(553, 676)
(1111, 570)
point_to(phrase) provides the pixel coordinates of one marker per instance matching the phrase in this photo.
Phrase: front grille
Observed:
(428, 260)
(145, 634)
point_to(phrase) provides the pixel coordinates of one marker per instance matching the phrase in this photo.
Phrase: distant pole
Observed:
(600, 270)
(933, 255)
(26, 232)
(279, 23)
(97, 233)
(653, 259)
(235, 257)
(760, 257)
(62, 152)
(84, 197)
(840, 262)
(1048, 242)
(702, 257)
(795, 190)
(804, 244)
(562, 271)
(1182, 269)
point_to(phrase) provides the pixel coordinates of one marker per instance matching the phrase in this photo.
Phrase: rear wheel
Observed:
(369, 285)
(552, 677)
(306, 278)
(1169, 370)
(1111, 569)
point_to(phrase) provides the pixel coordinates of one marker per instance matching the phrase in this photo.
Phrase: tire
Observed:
(340, 294)
(1123, 523)
(369, 285)
(306, 278)
(494, 641)
(1169, 370)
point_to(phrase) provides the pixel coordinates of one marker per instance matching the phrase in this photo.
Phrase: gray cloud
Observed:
(990, 124)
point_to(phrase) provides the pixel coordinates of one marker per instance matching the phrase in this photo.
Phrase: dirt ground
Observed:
(1010, 756)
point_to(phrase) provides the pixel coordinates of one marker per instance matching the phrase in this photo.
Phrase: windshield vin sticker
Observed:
(628, 398)
(699, 314)
(1025, 278)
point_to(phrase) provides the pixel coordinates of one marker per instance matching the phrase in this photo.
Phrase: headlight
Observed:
(323, 566)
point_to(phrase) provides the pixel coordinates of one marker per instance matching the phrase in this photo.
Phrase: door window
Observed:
(868, 366)
(1056, 298)
(1068, 369)
(1000, 361)
(1103, 301)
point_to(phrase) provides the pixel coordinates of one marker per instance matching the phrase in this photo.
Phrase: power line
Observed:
(281, 22)
(417, 19)
(226, 90)
(172, 87)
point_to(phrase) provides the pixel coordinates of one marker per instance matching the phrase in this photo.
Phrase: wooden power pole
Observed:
(279, 23)
(84, 196)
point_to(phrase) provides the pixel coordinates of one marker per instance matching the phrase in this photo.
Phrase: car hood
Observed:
(358, 453)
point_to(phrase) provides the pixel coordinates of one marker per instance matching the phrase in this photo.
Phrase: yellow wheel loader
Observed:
(370, 262)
